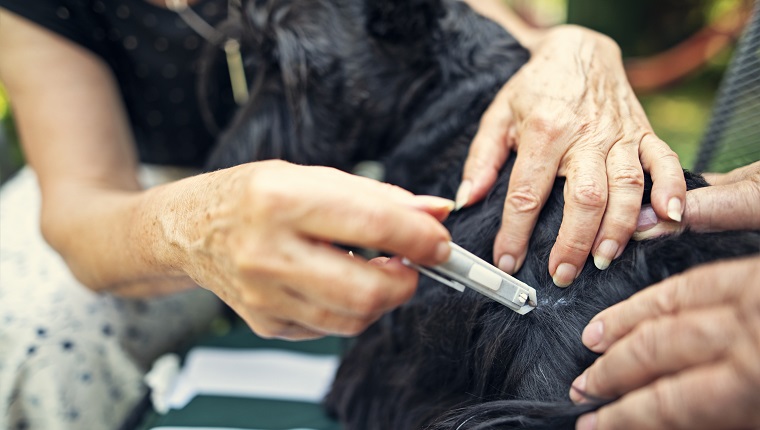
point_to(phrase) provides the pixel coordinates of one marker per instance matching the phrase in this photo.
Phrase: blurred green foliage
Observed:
(680, 116)
(10, 153)
(645, 27)
(680, 113)
(3, 103)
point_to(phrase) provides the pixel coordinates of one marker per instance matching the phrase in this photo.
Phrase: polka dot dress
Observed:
(70, 358)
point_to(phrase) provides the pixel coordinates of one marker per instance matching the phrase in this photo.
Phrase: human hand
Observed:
(732, 203)
(262, 243)
(571, 112)
(683, 354)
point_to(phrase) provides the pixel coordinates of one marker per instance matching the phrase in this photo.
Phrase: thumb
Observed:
(488, 152)
(722, 207)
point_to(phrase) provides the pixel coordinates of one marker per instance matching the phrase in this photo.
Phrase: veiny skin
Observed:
(683, 354)
(257, 235)
(571, 112)
(77, 139)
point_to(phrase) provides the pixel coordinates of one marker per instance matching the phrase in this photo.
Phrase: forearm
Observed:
(76, 136)
(113, 240)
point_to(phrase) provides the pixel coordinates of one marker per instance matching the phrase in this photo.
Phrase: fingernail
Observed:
(577, 388)
(675, 209)
(564, 275)
(586, 422)
(647, 218)
(605, 254)
(379, 261)
(463, 194)
(592, 334)
(507, 263)
(661, 229)
(442, 252)
(433, 203)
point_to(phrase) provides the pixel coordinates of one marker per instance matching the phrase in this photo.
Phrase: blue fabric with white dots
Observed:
(70, 358)
(154, 56)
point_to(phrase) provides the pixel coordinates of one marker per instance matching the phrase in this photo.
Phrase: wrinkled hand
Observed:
(683, 354)
(571, 112)
(262, 243)
(732, 203)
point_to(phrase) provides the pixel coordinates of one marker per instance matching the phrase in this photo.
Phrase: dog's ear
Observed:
(270, 35)
(402, 21)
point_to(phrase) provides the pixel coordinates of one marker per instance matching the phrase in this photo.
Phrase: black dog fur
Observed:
(337, 82)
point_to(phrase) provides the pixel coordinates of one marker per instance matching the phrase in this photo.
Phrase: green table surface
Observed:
(250, 413)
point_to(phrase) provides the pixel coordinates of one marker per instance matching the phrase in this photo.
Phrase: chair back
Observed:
(733, 135)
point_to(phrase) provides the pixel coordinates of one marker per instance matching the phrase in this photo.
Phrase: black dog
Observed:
(337, 82)
(450, 360)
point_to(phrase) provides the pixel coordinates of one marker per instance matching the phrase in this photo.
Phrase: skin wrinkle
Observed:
(629, 177)
(525, 200)
(749, 316)
(446, 359)
(586, 192)
(698, 212)
(743, 401)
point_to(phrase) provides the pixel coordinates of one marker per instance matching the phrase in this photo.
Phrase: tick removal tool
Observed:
(464, 269)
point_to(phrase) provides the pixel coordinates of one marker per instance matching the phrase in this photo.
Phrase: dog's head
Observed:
(334, 82)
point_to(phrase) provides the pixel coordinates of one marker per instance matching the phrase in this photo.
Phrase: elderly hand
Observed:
(571, 112)
(259, 237)
(683, 354)
(732, 203)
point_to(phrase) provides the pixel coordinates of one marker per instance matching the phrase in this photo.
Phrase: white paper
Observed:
(212, 428)
(260, 373)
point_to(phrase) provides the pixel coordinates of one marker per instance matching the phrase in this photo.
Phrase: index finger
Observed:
(375, 220)
(487, 153)
(724, 207)
(722, 283)
(530, 183)
(680, 402)
(660, 347)
(347, 286)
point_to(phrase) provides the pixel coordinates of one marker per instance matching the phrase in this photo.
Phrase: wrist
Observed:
(573, 37)
(103, 235)
(170, 224)
(190, 218)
